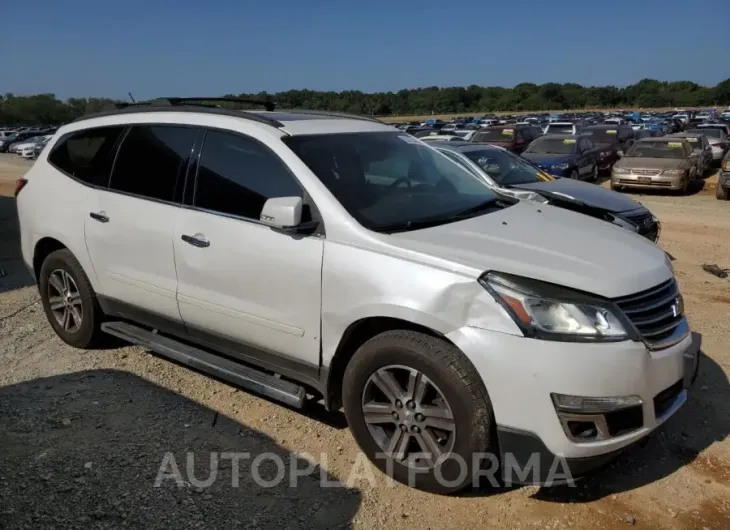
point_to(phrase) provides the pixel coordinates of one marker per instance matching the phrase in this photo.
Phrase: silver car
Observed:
(667, 163)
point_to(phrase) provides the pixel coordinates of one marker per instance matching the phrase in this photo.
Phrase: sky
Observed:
(157, 48)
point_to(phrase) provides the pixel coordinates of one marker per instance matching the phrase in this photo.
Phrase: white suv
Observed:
(306, 255)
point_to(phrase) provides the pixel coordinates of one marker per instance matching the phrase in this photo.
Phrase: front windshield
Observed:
(602, 136)
(707, 131)
(496, 134)
(656, 150)
(559, 128)
(553, 146)
(694, 141)
(505, 168)
(387, 180)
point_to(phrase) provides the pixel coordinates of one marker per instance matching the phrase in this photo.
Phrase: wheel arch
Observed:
(354, 336)
(42, 249)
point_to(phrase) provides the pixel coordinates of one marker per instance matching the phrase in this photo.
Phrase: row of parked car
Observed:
(25, 142)
(312, 256)
(634, 155)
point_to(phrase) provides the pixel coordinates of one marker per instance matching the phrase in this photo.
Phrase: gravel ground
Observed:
(83, 435)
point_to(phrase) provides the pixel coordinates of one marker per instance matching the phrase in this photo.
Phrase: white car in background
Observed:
(32, 150)
(31, 142)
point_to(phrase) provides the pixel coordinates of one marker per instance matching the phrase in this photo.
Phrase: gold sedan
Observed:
(667, 163)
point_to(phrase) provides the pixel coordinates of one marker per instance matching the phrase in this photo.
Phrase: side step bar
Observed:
(237, 374)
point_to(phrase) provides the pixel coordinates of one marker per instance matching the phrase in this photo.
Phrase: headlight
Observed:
(673, 172)
(605, 153)
(620, 169)
(550, 312)
(561, 166)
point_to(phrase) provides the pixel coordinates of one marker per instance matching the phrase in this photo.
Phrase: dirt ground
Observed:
(83, 434)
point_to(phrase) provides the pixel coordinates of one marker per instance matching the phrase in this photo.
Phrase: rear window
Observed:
(87, 155)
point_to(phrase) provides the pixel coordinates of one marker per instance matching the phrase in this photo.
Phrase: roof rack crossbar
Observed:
(267, 105)
(331, 113)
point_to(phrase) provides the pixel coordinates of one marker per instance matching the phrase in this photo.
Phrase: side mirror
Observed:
(282, 212)
(285, 213)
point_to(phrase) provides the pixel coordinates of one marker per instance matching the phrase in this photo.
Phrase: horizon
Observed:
(125, 97)
(100, 51)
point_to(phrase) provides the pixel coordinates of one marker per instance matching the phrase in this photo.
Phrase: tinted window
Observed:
(151, 161)
(87, 155)
(237, 175)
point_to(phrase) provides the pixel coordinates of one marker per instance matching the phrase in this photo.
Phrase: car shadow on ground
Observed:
(87, 450)
(13, 273)
(703, 421)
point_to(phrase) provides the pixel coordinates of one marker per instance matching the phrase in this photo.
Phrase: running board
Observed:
(237, 374)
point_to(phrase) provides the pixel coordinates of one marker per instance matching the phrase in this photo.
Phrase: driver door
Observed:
(245, 288)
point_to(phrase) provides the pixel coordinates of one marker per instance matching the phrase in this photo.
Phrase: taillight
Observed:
(19, 185)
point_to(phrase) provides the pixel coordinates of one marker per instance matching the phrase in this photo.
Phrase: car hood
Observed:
(541, 158)
(653, 163)
(585, 192)
(546, 243)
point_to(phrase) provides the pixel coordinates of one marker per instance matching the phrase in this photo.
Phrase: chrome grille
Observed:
(650, 172)
(648, 227)
(656, 313)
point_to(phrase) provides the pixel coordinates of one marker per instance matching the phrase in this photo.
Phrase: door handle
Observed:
(197, 240)
(102, 217)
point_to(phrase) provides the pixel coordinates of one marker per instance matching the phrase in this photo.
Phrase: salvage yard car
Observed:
(701, 147)
(509, 173)
(574, 157)
(723, 182)
(313, 255)
(664, 162)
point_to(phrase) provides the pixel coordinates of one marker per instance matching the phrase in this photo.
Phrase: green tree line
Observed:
(647, 93)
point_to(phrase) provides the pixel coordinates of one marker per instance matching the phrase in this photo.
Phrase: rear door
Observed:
(130, 223)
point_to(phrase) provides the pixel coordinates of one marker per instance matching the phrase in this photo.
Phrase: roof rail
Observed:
(331, 113)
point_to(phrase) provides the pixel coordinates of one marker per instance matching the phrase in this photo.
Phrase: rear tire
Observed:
(69, 300)
(452, 409)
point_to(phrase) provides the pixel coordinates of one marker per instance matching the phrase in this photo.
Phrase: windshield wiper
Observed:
(428, 222)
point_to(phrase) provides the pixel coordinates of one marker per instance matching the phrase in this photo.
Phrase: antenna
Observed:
(131, 97)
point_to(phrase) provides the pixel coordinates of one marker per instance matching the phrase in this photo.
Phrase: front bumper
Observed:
(628, 180)
(520, 375)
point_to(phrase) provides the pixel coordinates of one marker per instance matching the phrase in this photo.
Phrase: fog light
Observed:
(593, 405)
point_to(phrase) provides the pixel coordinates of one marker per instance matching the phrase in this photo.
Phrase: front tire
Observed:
(574, 175)
(721, 193)
(69, 300)
(418, 409)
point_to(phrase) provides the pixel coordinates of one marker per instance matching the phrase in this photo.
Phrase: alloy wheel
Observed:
(408, 417)
(64, 300)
